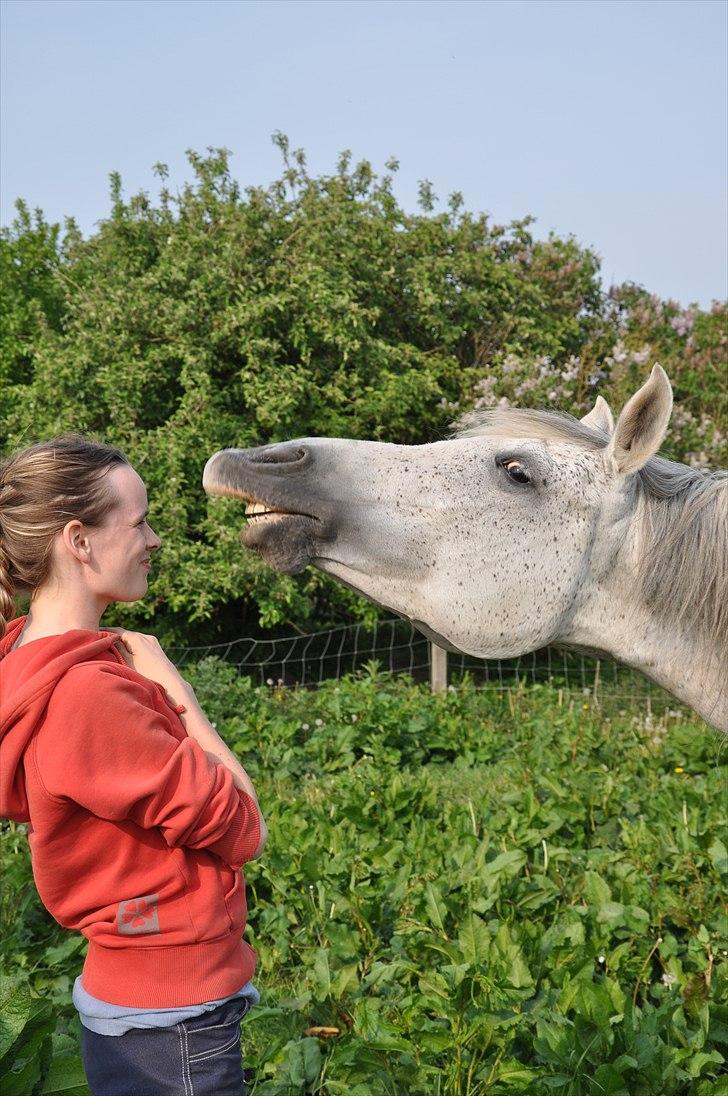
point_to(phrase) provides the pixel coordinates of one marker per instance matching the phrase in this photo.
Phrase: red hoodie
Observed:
(136, 837)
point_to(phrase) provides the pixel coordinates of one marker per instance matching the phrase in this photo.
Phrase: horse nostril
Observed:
(280, 454)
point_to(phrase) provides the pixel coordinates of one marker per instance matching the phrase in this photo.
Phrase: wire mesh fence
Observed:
(397, 647)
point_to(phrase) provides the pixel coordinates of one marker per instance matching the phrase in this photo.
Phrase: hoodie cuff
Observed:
(240, 841)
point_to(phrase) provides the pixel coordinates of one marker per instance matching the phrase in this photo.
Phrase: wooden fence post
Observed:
(438, 668)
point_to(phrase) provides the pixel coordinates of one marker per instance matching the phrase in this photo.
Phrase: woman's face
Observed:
(119, 551)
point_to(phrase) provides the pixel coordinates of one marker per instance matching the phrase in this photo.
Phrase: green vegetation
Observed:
(209, 317)
(483, 892)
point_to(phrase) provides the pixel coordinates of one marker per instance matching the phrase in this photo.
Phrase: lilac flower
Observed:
(619, 352)
(683, 323)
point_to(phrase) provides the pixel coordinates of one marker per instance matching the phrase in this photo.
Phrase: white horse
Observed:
(526, 528)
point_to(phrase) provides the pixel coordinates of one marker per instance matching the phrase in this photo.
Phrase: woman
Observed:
(140, 817)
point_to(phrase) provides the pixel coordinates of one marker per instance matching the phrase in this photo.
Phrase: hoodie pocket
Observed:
(213, 895)
(234, 888)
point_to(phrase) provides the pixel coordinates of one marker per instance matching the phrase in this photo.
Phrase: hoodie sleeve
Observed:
(104, 746)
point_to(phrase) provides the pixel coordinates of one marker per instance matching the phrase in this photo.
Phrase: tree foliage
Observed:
(211, 317)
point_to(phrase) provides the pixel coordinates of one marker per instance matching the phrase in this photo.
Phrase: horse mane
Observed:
(682, 514)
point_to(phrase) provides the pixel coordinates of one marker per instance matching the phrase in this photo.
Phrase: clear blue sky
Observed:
(602, 118)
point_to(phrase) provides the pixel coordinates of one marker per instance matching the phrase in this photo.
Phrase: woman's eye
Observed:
(516, 471)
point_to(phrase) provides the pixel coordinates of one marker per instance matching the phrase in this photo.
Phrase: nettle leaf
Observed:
(301, 1062)
(596, 890)
(474, 940)
(555, 1040)
(609, 1081)
(16, 1011)
(718, 856)
(506, 865)
(612, 913)
(322, 974)
(26, 1024)
(436, 908)
(434, 985)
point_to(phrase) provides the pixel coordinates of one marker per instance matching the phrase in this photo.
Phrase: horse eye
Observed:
(516, 471)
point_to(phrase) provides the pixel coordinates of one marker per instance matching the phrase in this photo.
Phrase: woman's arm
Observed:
(145, 655)
(199, 727)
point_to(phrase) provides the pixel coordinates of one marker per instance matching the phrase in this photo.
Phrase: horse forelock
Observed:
(682, 516)
(526, 422)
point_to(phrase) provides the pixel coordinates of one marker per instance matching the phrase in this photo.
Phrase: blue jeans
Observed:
(197, 1057)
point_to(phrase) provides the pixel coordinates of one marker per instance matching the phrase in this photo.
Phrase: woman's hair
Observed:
(42, 488)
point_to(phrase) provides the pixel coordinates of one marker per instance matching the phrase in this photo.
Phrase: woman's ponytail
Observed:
(7, 601)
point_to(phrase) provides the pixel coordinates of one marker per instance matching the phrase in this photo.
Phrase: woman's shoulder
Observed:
(104, 680)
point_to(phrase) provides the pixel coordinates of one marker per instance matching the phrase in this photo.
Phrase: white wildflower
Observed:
(619, 352)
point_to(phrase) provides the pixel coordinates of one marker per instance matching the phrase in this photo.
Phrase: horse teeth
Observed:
(257, 508)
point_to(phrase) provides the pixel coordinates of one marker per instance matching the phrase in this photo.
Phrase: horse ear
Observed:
(642, 424)
(600, 417)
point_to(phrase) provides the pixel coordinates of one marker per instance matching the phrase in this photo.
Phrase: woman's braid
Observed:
(7, 604)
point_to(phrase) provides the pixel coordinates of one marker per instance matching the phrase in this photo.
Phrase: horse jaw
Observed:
(399, 602)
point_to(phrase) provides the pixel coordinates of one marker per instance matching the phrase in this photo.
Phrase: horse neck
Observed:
(611, 616)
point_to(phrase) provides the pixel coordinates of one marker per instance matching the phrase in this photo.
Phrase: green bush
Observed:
(209, 318)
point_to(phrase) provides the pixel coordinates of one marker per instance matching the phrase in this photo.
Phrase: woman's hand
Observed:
(145, 655)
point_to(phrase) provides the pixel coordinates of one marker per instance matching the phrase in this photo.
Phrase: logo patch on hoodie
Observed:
(138, 915)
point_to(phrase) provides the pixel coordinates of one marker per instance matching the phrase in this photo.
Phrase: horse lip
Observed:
(246, 496)
(214, 486)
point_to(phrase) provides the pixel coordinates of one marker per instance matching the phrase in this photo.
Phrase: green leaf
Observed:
(302, 1062)
(436, 907)
(321, 974)
(474, 940)
(505, 866)
(718, 856)
(596, 890)
(696, 1062)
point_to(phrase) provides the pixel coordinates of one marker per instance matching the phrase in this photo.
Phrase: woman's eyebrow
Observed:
(141, 516)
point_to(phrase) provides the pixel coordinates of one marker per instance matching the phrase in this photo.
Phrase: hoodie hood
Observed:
(28, 676)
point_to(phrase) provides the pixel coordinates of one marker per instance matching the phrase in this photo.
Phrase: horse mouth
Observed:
(260, 513)
(283, 536)
(284, 539)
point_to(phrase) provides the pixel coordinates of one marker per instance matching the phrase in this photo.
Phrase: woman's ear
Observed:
(642, 425)
(75, 540)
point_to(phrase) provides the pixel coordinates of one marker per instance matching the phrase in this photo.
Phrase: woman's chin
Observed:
(132, 593)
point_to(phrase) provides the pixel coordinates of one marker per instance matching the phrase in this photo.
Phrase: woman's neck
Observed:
(50, 614)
